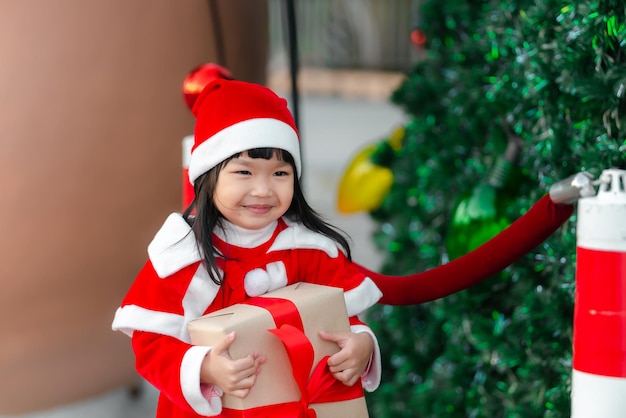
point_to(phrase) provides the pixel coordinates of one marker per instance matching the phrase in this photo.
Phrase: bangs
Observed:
(267, 153)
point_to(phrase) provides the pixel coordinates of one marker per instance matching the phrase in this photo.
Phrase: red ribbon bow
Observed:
(320, 387)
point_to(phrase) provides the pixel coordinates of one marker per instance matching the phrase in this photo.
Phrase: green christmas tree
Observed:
(553, 74)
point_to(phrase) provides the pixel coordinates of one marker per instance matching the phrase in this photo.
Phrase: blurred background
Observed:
(428, 126)
(92, 118)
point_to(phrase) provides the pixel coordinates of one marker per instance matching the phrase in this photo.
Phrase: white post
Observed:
(599, 360)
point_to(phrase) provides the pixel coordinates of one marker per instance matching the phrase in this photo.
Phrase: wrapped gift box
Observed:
(316, 308)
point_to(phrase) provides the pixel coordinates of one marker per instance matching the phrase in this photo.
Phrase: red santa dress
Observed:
(174, 288)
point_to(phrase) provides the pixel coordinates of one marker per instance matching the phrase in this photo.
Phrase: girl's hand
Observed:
(355, 352)
(233, 376)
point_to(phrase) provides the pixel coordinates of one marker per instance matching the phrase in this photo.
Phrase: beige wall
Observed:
(91, 118)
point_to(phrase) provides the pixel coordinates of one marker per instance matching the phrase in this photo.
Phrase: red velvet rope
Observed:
(526, 233)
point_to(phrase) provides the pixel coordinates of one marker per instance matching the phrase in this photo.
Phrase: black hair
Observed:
(207, 217)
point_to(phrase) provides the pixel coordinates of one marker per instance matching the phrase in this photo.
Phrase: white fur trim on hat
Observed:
(242, 136)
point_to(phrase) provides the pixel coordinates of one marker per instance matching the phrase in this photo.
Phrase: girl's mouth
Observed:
(258, 209)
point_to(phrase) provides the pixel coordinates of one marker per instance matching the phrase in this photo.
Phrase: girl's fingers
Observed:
(242, 388)
(222, 346)
(247, 369)
(240, 393)
(347, 377)
(337, 337)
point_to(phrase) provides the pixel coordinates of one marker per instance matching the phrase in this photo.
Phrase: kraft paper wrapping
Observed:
(320, 308)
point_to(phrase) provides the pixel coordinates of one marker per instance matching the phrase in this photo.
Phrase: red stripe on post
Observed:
(188, 192)
(600, 313)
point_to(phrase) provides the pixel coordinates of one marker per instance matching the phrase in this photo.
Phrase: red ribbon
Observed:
(283, 311)
(321, 387)
(282, 410)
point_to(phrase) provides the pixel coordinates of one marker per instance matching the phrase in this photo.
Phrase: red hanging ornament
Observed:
(418, 37)
(198, 78)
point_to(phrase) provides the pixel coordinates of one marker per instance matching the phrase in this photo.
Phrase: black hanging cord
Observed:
(292, 45)
(216, 24)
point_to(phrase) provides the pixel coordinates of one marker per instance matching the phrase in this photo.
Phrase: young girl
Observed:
(251, 232)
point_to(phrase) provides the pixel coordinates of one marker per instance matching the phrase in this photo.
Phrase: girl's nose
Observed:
(261, 187)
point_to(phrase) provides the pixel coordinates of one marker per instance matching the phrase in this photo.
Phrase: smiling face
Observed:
(254, 192)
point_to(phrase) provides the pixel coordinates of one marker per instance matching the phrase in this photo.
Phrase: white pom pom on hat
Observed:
(234, 116)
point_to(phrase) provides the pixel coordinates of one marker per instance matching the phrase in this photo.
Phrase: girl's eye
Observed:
(244, 172)
(281, 173)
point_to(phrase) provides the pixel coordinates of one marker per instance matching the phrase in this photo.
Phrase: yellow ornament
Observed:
(396, 139)
(364, 184)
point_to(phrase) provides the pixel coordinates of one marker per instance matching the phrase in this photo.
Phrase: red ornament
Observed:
(418, 37)
(198, 78)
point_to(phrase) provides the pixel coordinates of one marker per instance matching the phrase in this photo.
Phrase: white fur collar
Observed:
(297, 235)
(173, 247)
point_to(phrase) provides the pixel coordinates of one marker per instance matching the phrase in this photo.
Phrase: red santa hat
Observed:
(234, 116)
